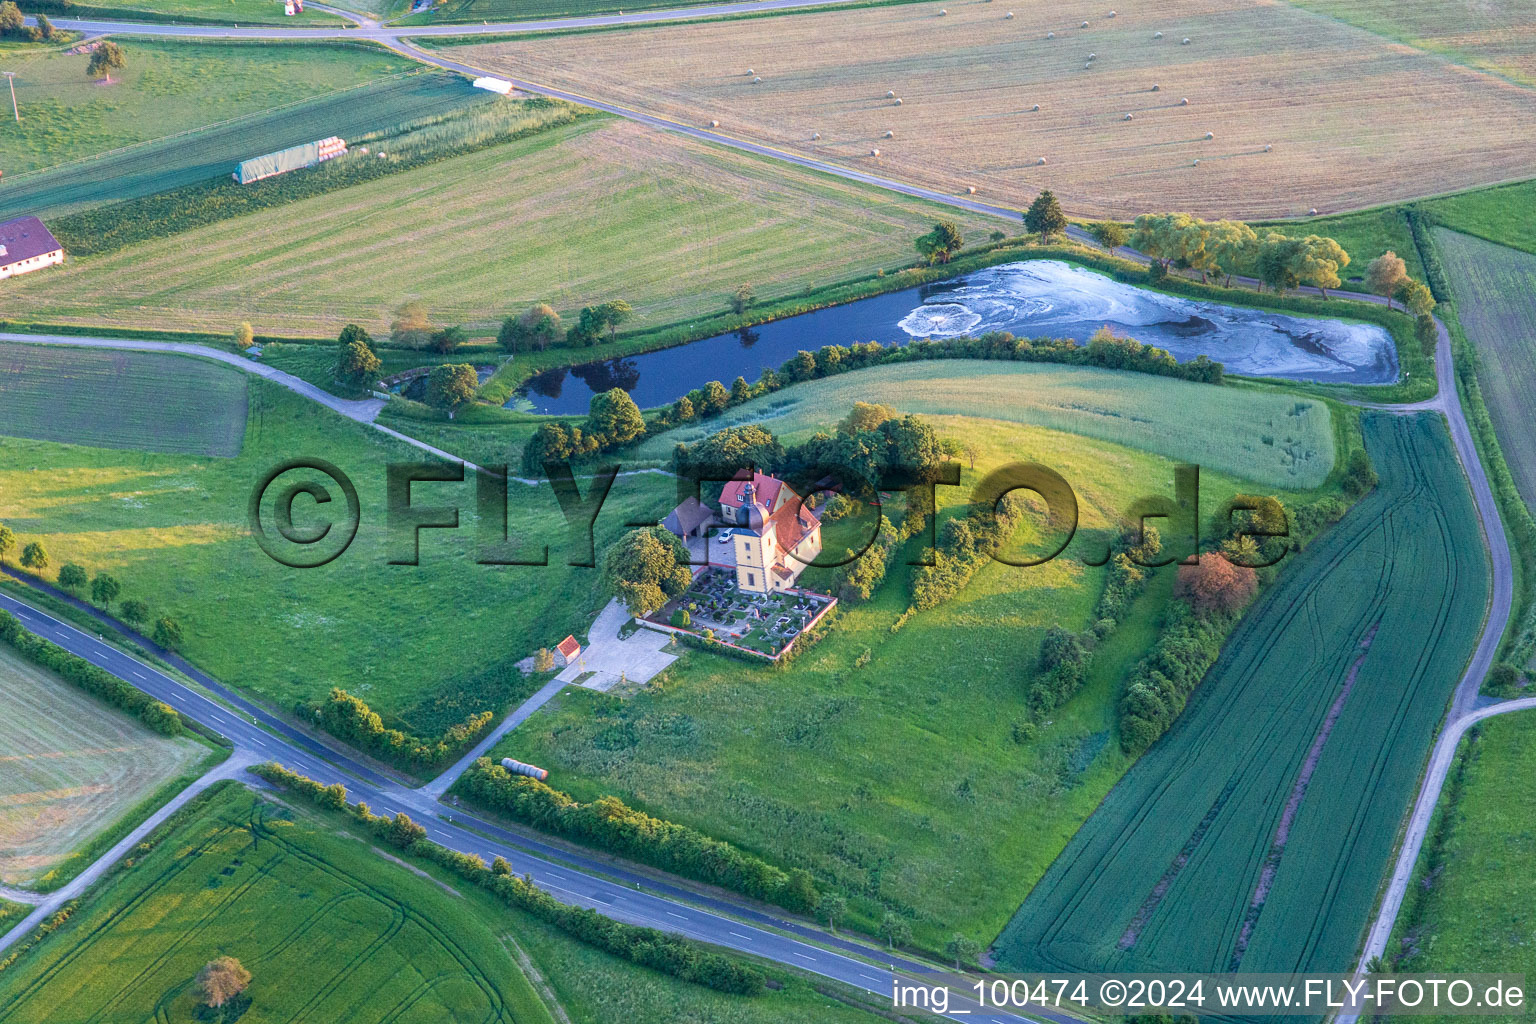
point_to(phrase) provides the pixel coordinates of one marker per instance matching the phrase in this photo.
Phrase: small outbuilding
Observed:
(26, 245)
(566, 652)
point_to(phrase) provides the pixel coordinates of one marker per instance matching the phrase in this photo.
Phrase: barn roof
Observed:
(24, 238)
(569, 647)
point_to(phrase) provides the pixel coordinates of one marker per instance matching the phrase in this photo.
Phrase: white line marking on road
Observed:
(680, 917)
(871, 977)
(746, 938)
(803, 956)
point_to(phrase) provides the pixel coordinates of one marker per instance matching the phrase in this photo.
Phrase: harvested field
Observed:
(1272, 439)
(575, 215)
(70, 767)
(144, 401)
(1494, 286)
(1495, 35)
(1326, 697)
(213, 151)
(1345, 110)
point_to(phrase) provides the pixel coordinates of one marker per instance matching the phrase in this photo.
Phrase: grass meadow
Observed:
(416, 642)
(901, 781)
(1232, 842)
(1269, 437)
(576, 215)
(1494, 285)
(71, 766)
(385, 97)
(168, 86)
(333, 929)
(1474, 905)
(1343, 108)
(143, 400)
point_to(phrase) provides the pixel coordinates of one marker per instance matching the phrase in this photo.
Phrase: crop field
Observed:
(238, 12)
(106, 399)
(1476, 907)
(576, 215)
(526, 10)
(167, 87)
(1344, 109)
(1256, 832)
(903, 781)
(1273, 439)
(325, 928)
(411, 640)
(71, 766)
(206, 150)
(1494, 285)
(1498, 36)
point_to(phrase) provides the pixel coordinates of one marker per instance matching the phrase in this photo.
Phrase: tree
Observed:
(1108, 233)
(1384, 273)
(962, 948)
(799, 893)
(1317, 261)
(731, 450)
(535, 328)
(1215, 585)
(133, 611)
(997, 236)
(1044, 216)
(865, 416)
(614, 418)
(446, 339)
(1276, 262)
(1426, 332)
(940, 244)
(972, 452)
(646, 568)
(1416, 296)
(356, 364)
(501, 866)
(7, 541)
(543, 659)
(45, 29)
(245, 336)
(105, 589)
(411, 326)
(832, 907)
(222, 979)
(351, 333)
(34, 556)
(167, 633)
(894, 928)
(742, 298)
(106, 58)
(1233, 247)
(614, 313)
(12, 22)
(451, 385)
(403, 832)
(72, 576)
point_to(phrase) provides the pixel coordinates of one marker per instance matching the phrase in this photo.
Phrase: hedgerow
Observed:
(350, 718)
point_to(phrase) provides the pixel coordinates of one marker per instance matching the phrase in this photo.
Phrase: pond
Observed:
(1035, 298)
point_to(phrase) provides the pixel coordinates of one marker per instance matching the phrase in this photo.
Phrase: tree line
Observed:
(661, 951)
(349, 718)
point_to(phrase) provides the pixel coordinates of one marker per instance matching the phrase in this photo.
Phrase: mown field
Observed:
(593, 211)
(1344, 109)
(1495, 35)
(526, 10)
(168, 86)
(1233, 842)
(209, 150)
(106, 399)
(71, 766)
(414, 641)
(1494, 285)
(1474, 908)
(904, 782)
(332, 930)
(1268, 437)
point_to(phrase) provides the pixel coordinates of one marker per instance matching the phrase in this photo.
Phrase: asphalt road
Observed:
(258, 736)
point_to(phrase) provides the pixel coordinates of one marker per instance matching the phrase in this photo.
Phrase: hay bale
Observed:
(1093, 56)
(1083, 25)
(1050, 35)
(1268, 148)
(1111, 14)
(890, 94)
(815, 136)
(1087, 65)
(1209, 136)
(1184, 102)
(898, 101)
(1157, 88)
(1008, 16)
(1197, 162)
(890, 135)
(757, 80)
(970, 190)
(1186, 41)
(1157, 35)
(1036, 107)
(1040, 161)
(749, 72)
(874, 152)
(1312, 212)
(943, 11)
(714, 124)
(1128, 117)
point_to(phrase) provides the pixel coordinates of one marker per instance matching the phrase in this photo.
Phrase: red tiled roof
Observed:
(569, 647)
(792, 522)
(24, 238)
(765, 488)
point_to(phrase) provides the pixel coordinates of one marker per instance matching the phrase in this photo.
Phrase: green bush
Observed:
(350, 718)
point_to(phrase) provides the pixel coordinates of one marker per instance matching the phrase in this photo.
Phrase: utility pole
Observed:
(10, 76)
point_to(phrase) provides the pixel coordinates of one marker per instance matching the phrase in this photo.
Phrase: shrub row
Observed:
(966, 543)
(648, 947)
(159, 716)
(1161, 684)
(612, 825)
(350, 718)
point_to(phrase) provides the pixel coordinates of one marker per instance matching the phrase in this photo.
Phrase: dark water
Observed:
(1033, 298)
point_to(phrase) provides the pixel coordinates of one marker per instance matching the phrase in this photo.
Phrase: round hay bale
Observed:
(1184, 102)
(898, 101)
(1050, 35)
(1157, 35)
(1268, 148)
(757, 79)
(1209, 136)
(1093, 56)
(1128, 117)
(1087, 65)
(970, 190)
(749, 72)
(1197, 162)
(714, 124)
(890, 94)
(1111, 14)
(1157, 88)
(1083, 25)
(1312, 212)
(1186, 41)
(1036, 107)
(874, 152)
(815, 136)
(1008, 16)
(1040, 161)
(890, 135)
(943, 11)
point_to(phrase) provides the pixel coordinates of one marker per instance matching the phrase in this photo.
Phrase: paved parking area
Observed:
(611, 660)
